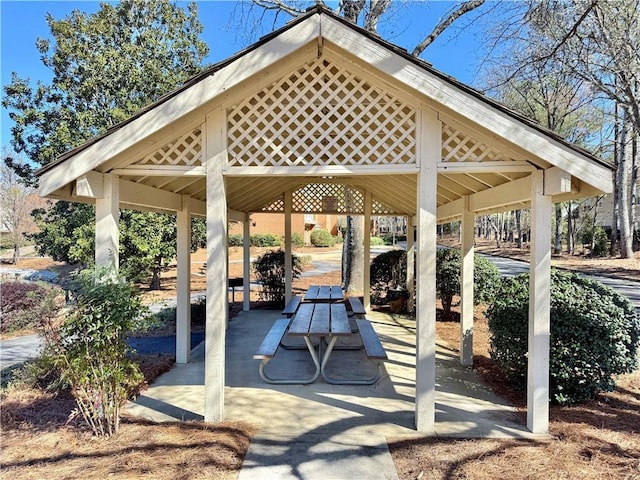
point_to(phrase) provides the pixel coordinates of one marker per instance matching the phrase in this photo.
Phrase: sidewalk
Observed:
(323, 431)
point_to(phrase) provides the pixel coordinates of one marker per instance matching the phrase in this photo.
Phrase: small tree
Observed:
(595, 334)
(448, 264)
(270, 272)
(90, 347)
(15, 209)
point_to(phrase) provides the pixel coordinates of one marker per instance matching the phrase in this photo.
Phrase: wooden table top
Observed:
(324, 293)
(320, 319)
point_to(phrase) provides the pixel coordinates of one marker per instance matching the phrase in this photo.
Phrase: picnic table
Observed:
(327, 322)
(324, 293)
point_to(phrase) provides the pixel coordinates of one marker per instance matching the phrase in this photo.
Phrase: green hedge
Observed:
(322, 238)
(595, 334)
(235, 240)
(376, 241)
(265, 240)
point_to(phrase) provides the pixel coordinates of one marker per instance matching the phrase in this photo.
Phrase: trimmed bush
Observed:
(376, 241)
(269, 269)
(388, 270)
(595, 334)
(235, 240)
(297, 240)
(322, 238)
(265, 240)
(485, 278)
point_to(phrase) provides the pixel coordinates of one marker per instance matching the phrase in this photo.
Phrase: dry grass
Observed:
(597, 440)
(43, 437)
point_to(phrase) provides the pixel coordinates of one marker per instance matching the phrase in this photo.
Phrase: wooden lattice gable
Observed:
(321, 115)
(183, 153)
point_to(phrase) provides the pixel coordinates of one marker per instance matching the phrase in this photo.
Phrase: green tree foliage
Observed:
(270, 272)
(106, 66)
(90, 347)
(595, 334)
(148, 243)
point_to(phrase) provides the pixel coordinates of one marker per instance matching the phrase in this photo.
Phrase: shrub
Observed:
(376, 241)
(600, 243)
(270, 272)
(235, 240)
(595, 334)
(388, 270)
(90, 347)
(322, 238)
(22, 305)
(485, 278)
(265, 240)
(297, 240)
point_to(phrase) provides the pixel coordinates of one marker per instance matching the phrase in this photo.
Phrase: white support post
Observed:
(466, 286)
(215, 156)
(411, 259)
(430, 153)
(107, 228)
(246, 263)
(288, 261)
(183, 303)
(539, 307)
(366, 274)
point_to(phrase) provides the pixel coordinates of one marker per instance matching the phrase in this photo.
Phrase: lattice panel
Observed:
(321, 115)
(459, 147)
(378, 208)
(327, 198)
(185, 150)
(275, 207)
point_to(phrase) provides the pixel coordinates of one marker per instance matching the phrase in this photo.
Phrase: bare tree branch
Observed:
(466, 7)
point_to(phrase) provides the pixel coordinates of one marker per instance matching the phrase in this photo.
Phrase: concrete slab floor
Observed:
(322, 426)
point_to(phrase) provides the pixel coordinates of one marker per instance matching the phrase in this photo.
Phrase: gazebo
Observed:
(324, 117)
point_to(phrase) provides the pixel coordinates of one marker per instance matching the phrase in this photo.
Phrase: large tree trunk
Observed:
(519, 227)
(626, 152)
(557, 240)
(353, 255)
(570, 246)
(16, 254)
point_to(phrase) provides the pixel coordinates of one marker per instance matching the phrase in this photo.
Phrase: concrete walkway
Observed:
(323, 431)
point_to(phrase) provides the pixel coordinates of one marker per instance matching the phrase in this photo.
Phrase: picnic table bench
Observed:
(329, 322)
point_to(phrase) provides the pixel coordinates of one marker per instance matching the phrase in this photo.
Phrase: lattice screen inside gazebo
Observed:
(321, 114)
(328, 198)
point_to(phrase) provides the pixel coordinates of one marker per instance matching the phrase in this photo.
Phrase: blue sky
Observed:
(22, 22)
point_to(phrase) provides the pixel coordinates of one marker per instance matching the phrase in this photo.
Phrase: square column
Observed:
(107, 227)
(466, 286)
(246, 263)
(411, 261)
(183, 306)
(215, 156)
(539, 307)
(366, 274)
(430, 149)
(288, 261)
